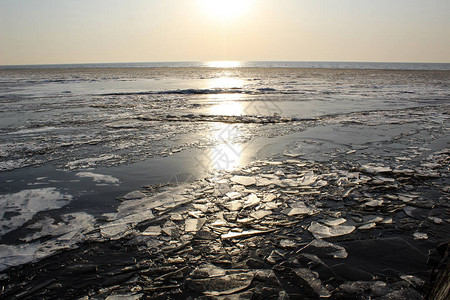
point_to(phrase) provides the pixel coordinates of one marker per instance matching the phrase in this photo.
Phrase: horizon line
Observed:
(208, 61)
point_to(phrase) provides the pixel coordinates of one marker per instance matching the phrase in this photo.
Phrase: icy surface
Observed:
(18, 208)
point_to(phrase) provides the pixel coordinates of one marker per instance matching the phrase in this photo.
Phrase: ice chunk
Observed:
(234, 205)
(321, 231)
(260, 214)
(233, 195)
(368, 226)
(243, 234)
(244, 180)
(374, 203)
(90, 162)
(297, 211)
(99, 178)
(221, 285)
(251, 200)
(206, 271)
(269, 197)
(311, 279)
(308, 179)
(193, 225)
(334, 222)
(152, 231)
(373, 169)
(420, 236)
(339, 252)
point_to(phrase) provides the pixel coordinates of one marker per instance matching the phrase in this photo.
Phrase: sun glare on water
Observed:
(224, 64)
(226, 9)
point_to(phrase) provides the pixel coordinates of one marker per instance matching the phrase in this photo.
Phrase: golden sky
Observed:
(89, 31)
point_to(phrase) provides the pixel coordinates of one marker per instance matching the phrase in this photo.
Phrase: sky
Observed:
(100, 31)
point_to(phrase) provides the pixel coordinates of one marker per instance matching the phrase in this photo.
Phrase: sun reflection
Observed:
(224, 64)
(225, 83)
(227, 154)
(227, 108)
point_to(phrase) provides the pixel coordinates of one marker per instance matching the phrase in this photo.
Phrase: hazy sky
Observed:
(78, 31)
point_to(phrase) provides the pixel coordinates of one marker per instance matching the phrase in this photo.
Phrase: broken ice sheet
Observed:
(321, 231)
(297, 208)
(374, 169)
(18, 208)
(368, 226)
(260, 214)
(335, 252)
(269, 197)
(244, 180)
(234, 205)
(194, 225)
(374, 203)
(233, 195)
(311, 279)
(221, 285)
(308, 179)
(246, 233)
(251, 200)
(152, 231)
(334, 222)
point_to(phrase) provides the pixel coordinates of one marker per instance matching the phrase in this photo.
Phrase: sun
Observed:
(226, 9)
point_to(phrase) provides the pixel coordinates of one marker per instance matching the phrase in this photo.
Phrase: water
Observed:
(90, 133)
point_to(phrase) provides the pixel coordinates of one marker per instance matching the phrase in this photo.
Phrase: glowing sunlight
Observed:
(225, 83)
(223, 64)
(227, 154)
(227, 108)
(226, 9)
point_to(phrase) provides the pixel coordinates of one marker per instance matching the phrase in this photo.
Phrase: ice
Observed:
(321, 231)
(260, 214)
(98, 178)
(234, 205)
(311, 279)
(72, 224)
(308, 179)
(25, 204)
(334, 222)
(338, 251)
(246, 233)
(244, 180)
(13, 255)
(221, 285)
(374, 169)
(134, 195)
(152, 231)
(90, 162)
(420, 236)
(63, 234)
(194, 225)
